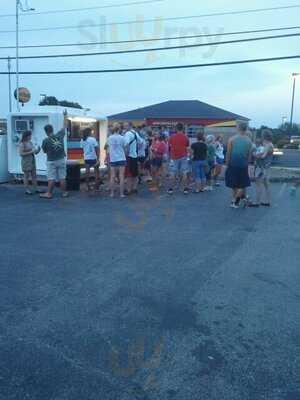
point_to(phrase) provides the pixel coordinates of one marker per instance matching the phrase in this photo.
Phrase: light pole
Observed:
(9, 83)
(293, 99)
(19, 6)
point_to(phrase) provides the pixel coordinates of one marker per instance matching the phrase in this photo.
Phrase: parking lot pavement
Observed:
(149, 298)
(289, 159)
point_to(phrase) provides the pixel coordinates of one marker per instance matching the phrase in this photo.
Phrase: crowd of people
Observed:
(161, 159)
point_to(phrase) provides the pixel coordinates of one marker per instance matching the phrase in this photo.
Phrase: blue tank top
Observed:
(241, 148)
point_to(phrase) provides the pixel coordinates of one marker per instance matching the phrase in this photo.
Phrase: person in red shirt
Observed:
(179, 166)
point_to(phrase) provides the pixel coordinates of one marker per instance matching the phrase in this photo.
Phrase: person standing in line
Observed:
(166, 159)
(158, 152)
(147, 165)
(142, 155)
(91, 156)
(220, 158)
(133, 141)
(179, 166)
(166, 132)
(263, 162)
(239, 154)
(27, 152)
(199, 162)
(116, 146)
(53, 147)
(211, 162)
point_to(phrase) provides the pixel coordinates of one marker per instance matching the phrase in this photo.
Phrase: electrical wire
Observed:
(239, 12)
(70, 10)
(156, 48)
(170, 67)
(154, 39)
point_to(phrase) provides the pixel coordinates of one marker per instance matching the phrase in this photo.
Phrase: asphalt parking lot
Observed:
(177, 298)
(289, 159)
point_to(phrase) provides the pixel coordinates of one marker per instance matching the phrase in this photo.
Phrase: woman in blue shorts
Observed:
(91, 156)
(116, 147)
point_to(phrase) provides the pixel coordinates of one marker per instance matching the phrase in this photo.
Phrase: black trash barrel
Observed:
(73, 177)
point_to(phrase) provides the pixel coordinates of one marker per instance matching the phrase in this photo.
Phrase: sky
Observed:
(261, 92)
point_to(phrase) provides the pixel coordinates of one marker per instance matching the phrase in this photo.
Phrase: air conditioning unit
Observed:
(22, 125)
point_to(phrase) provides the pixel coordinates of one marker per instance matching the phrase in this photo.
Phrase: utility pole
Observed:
(293, 101)
(9, 83)
(19, 6)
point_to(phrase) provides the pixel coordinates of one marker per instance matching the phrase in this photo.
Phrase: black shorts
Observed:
(237, 177)
(91, 163)
(141, 160)
(132, 169)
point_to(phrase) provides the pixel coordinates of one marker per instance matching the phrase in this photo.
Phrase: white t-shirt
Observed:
(89, 148)
(220, 151)
(134, 141)
(142, 148)
(116, 144)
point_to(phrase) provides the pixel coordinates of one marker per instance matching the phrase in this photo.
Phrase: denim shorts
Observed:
(56, 170)
(180, 166)
(118, 164)
(157, 162)
(220, 161)
(199, 170)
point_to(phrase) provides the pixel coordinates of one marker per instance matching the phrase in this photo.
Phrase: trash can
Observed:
(73, 177)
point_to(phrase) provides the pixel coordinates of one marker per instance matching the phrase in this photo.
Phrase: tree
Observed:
(293, 130)
(52, 101)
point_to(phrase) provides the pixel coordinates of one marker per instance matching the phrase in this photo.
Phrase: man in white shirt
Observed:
(133, 142)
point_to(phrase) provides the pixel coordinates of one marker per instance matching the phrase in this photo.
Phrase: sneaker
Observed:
(217, 184)
(170, 191)
(233, 205)
(208, 189)
(186, 191)
(243, 202)
(265, 204)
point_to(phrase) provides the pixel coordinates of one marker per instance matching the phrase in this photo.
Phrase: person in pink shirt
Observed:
(159, 149)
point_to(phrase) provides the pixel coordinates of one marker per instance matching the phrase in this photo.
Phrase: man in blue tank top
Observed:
(238, 157)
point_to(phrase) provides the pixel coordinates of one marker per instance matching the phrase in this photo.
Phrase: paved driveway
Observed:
(166, 298)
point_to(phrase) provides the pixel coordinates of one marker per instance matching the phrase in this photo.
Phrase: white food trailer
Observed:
(3, 151)
(35, 122)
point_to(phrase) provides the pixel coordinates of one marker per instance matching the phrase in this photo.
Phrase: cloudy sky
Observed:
(261, 92)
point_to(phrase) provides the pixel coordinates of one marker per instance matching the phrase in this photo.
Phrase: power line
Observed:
(154, 39)
(240, 12)
(157, 48)
(170, 67)
(71, 10)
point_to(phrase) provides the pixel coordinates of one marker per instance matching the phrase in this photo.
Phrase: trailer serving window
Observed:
(76, 127)
(3, 127)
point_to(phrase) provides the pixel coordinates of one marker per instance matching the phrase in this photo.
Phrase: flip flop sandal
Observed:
(45, 196)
